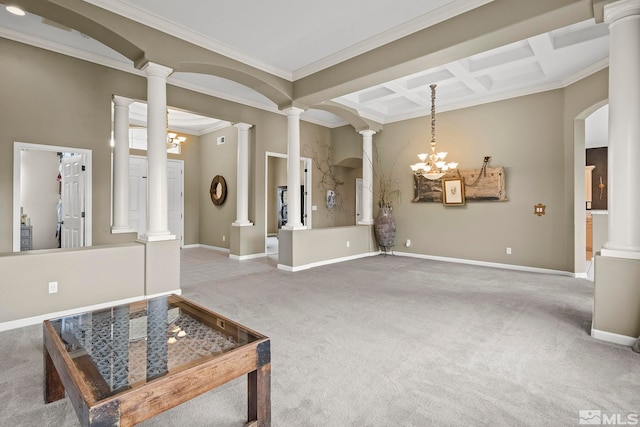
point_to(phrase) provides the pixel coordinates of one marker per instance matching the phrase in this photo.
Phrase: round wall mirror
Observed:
(218, 190)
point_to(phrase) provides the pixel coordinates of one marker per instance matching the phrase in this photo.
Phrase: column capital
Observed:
(151, 69)
(243, 126)
(293, 111)
(621, 9)
(367, 132)
(121, 101)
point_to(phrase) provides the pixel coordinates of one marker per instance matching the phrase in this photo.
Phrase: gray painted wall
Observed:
(531, 136)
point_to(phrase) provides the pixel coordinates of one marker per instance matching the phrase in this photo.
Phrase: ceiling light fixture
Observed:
(173, 140)
(15, 10)
(432, 166)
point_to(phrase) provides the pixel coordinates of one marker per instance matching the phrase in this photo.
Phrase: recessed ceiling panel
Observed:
(499, 57)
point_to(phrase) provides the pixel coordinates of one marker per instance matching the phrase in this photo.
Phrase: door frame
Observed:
(88, 186)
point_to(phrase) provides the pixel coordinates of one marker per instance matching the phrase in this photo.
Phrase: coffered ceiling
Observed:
(294, 39)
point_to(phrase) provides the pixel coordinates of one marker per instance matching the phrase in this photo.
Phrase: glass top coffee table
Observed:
(125, 364)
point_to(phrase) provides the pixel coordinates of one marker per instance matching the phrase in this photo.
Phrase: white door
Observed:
(174, 200)
(138, 196)
(358, 200)
(72, 213)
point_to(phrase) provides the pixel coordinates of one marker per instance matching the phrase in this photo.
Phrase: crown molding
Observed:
(424, 21)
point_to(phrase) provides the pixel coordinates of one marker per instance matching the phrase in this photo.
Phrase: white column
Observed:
(624, 129)
(121, 165)
(242, 206)
(367, 177)
(293, 169)
(157, 205)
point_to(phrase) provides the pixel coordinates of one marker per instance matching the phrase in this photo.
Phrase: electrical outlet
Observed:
(408, 243)
(508, 251)
(348, 243)
(224, 238)
(53, 287)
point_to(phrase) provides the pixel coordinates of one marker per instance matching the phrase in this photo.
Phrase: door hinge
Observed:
(82, 215)
(84, 168)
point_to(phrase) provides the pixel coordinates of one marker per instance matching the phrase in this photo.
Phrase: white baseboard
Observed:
(244, 257)
(28, 321)
(613, 338)
(162, 294)
(487, 264)
(325, 262)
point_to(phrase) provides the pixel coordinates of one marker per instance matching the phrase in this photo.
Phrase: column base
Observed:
(294, 227)
(617, 253)
(241, 224)
(122, 229)
(156, 237)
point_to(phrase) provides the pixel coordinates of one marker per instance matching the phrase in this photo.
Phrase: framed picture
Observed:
(453, 192)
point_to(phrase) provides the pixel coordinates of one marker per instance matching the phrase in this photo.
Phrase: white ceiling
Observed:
(293, 39)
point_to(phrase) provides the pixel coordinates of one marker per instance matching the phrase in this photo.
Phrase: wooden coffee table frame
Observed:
(140, 403)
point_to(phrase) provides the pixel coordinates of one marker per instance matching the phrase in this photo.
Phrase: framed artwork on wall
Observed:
(453, 192)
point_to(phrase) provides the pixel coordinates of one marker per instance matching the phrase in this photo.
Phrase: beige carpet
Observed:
(384, 341)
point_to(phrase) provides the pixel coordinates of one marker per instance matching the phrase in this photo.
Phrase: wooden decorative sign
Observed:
(486, 183)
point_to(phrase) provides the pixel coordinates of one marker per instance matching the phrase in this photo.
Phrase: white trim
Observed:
(194, 245)
(613, 338)
(487, 264)
(581, 276)
(245, 257)
(326, 262)
(88, 177)
(162, 294)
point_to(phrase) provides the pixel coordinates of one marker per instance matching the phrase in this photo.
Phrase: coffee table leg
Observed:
(53, 388)
(259, 391)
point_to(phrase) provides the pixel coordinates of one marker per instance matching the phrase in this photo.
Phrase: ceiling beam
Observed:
(492, 25)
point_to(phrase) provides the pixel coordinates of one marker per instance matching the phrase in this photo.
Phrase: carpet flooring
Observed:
(383, 341)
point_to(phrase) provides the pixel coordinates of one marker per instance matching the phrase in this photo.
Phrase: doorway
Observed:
(64, 220)
(276, 181)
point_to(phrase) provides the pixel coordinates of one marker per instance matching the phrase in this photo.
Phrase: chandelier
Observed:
(173, 140)
(433, 166)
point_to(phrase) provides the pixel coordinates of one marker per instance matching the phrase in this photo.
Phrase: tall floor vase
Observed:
(385, 229)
